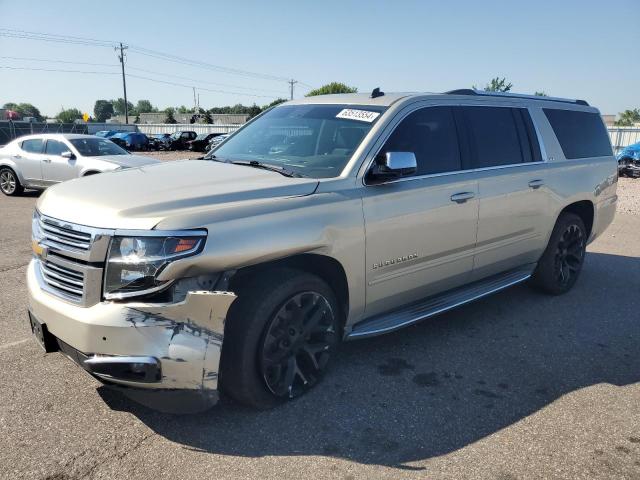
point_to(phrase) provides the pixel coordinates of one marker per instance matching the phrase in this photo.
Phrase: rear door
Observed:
(420, 230)
(28, 158)
(514, 202)
(55, 167)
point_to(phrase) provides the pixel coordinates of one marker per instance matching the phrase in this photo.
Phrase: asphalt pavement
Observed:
(516, 386)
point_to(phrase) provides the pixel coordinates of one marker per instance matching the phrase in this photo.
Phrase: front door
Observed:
(420, 230)
(55, 167)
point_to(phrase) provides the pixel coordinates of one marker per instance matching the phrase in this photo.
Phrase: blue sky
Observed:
(581, 49)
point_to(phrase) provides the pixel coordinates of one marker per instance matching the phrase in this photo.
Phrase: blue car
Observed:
(629, 161)
(131, 140)
(107, 133)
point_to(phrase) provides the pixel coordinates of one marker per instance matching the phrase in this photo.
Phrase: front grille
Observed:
(71, 259)
(64, 281)
(65, 235)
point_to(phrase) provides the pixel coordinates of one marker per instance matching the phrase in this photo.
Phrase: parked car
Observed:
(629, 161)
(159, 141)
(107, 133)
(327, 218)
(179, 139)
(131, 140)
(38, 161)
(215, 141)
(200, 143)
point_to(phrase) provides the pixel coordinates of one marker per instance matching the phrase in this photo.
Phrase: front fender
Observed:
(7, 162)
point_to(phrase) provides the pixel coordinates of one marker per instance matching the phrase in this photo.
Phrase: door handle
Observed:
(17, 157)
(535, 184)
(47, 160)
(462, 197)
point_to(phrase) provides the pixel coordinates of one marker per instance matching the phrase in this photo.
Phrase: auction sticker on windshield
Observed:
(361, 115)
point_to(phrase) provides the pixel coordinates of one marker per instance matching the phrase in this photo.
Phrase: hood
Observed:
(140, 198)
(130, 161)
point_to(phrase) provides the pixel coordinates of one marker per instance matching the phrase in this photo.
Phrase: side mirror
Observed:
(68, 155)
(394, 165)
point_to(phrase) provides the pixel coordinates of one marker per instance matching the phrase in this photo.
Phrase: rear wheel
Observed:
(280, 336)
(9, 183)
(560, 265)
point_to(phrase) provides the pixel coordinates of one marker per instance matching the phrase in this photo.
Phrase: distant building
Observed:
(217, 119)
(609, 120)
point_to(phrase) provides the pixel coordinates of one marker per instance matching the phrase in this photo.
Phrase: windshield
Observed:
(202, 136)
(312, 140)
(175, 135)
(96, 147)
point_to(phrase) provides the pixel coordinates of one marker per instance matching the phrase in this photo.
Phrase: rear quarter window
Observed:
(581, 134)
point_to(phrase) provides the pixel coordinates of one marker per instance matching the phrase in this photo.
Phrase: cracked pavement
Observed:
(515, 386)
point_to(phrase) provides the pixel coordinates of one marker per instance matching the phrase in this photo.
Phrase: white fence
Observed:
(623, 136)
(150, 128)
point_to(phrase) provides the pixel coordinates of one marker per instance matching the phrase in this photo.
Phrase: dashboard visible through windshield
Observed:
(311, 140)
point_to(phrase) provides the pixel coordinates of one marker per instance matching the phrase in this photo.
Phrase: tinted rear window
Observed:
(581, 134)
(32, 146)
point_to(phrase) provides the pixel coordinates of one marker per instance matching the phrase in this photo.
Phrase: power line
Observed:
(48, 60)
(135, 76)
(57, 70)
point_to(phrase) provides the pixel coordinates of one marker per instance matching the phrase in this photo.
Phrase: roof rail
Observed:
(470, 91)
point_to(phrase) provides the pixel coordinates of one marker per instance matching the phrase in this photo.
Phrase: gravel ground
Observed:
(629, 196)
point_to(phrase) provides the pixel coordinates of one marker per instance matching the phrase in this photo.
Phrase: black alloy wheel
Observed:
(297, 344)
(569, 254)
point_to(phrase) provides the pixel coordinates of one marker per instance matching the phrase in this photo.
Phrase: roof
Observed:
(68, 136)
(387, 99)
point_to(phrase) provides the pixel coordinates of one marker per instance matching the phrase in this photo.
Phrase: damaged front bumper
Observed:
(167, 346)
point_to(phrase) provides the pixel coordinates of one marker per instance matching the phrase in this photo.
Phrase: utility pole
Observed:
(195, 103)
(292, 82)
(124, 83)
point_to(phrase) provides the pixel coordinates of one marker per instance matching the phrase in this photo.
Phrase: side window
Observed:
(55, 147)
(581, 134)
(494, 136)
(430, 133)
(32, 146)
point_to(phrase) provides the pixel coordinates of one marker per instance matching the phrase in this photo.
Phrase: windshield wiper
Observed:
(266, 166)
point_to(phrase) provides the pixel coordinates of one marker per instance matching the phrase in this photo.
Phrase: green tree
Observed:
(145, 106)
(69, 115)
(277, 101)
(24, 110)
(541, 94)
(207, 118)
(333, 87)
(628, 118)
(118, 107)
(184, 109)
(102, 110)
(497, 85)
(254, 110)
(170, 118)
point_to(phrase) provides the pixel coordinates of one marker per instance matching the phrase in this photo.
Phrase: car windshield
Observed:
(175, 135)
(96, 147)
(202, 136)
(311, 140)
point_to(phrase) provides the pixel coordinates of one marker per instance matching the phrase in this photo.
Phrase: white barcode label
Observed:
(361, 115)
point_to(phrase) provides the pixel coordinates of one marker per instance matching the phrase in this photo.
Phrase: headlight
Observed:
(134, 263)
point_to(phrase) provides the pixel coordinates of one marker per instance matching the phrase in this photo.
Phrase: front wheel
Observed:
(9, 183)
(280, 336)
(560, 265)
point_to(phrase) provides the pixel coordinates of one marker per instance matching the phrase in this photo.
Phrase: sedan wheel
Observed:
(9, 183)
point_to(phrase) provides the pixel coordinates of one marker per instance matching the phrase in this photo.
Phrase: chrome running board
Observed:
(431, 306)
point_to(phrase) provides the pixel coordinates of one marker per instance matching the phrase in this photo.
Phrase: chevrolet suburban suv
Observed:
(324, 219)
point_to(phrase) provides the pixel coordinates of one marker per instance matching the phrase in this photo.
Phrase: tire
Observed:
(9, 183)
(560, 265)
(270, 354)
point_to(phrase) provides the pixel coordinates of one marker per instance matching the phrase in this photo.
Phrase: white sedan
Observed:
(39, 161)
